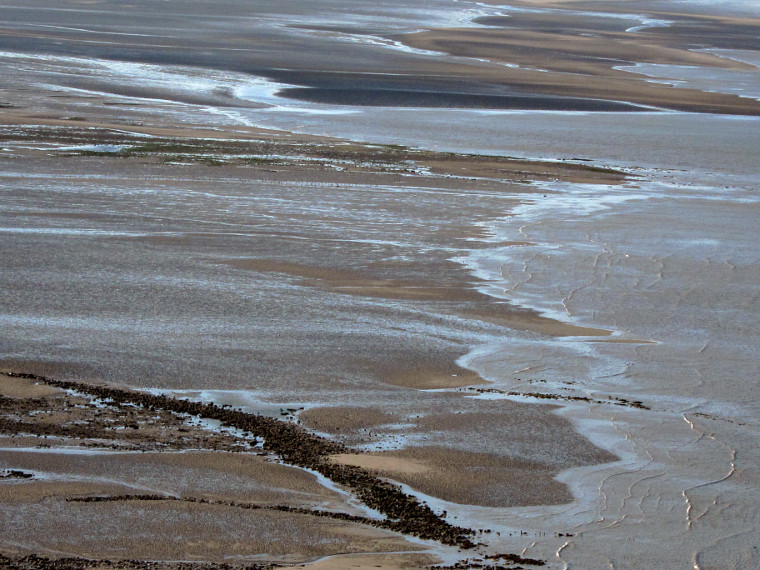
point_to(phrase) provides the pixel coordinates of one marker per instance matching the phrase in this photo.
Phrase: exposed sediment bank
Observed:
(581, 64)
(157, 236)
(110, 421)
(295, 447)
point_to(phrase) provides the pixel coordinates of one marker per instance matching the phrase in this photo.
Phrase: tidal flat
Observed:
(358, 285)
(237, 214)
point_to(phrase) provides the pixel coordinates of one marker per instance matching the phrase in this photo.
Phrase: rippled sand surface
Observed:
(563, 352)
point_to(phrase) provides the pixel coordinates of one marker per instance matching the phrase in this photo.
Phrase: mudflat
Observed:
(92, 463)
(232, 338)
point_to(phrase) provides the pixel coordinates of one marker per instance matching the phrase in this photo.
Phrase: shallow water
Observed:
(687, 286)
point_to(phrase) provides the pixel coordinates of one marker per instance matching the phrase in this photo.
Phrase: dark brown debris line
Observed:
(15, 474)
(30, 428)
(268, 153)
(493, 562)
(544, 396)
(384, 523)
(33, 562)
(117, 426)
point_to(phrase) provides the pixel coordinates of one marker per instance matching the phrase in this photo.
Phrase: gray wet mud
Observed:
(439, 301)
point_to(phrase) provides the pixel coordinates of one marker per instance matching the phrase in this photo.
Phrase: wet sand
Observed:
(364, 561)
(190, 506)
(466, 472)
(555, 60)
(559, 52)
(206, 504)
(582, 76)
(432, 316)
(468, 478)
(69, 459)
